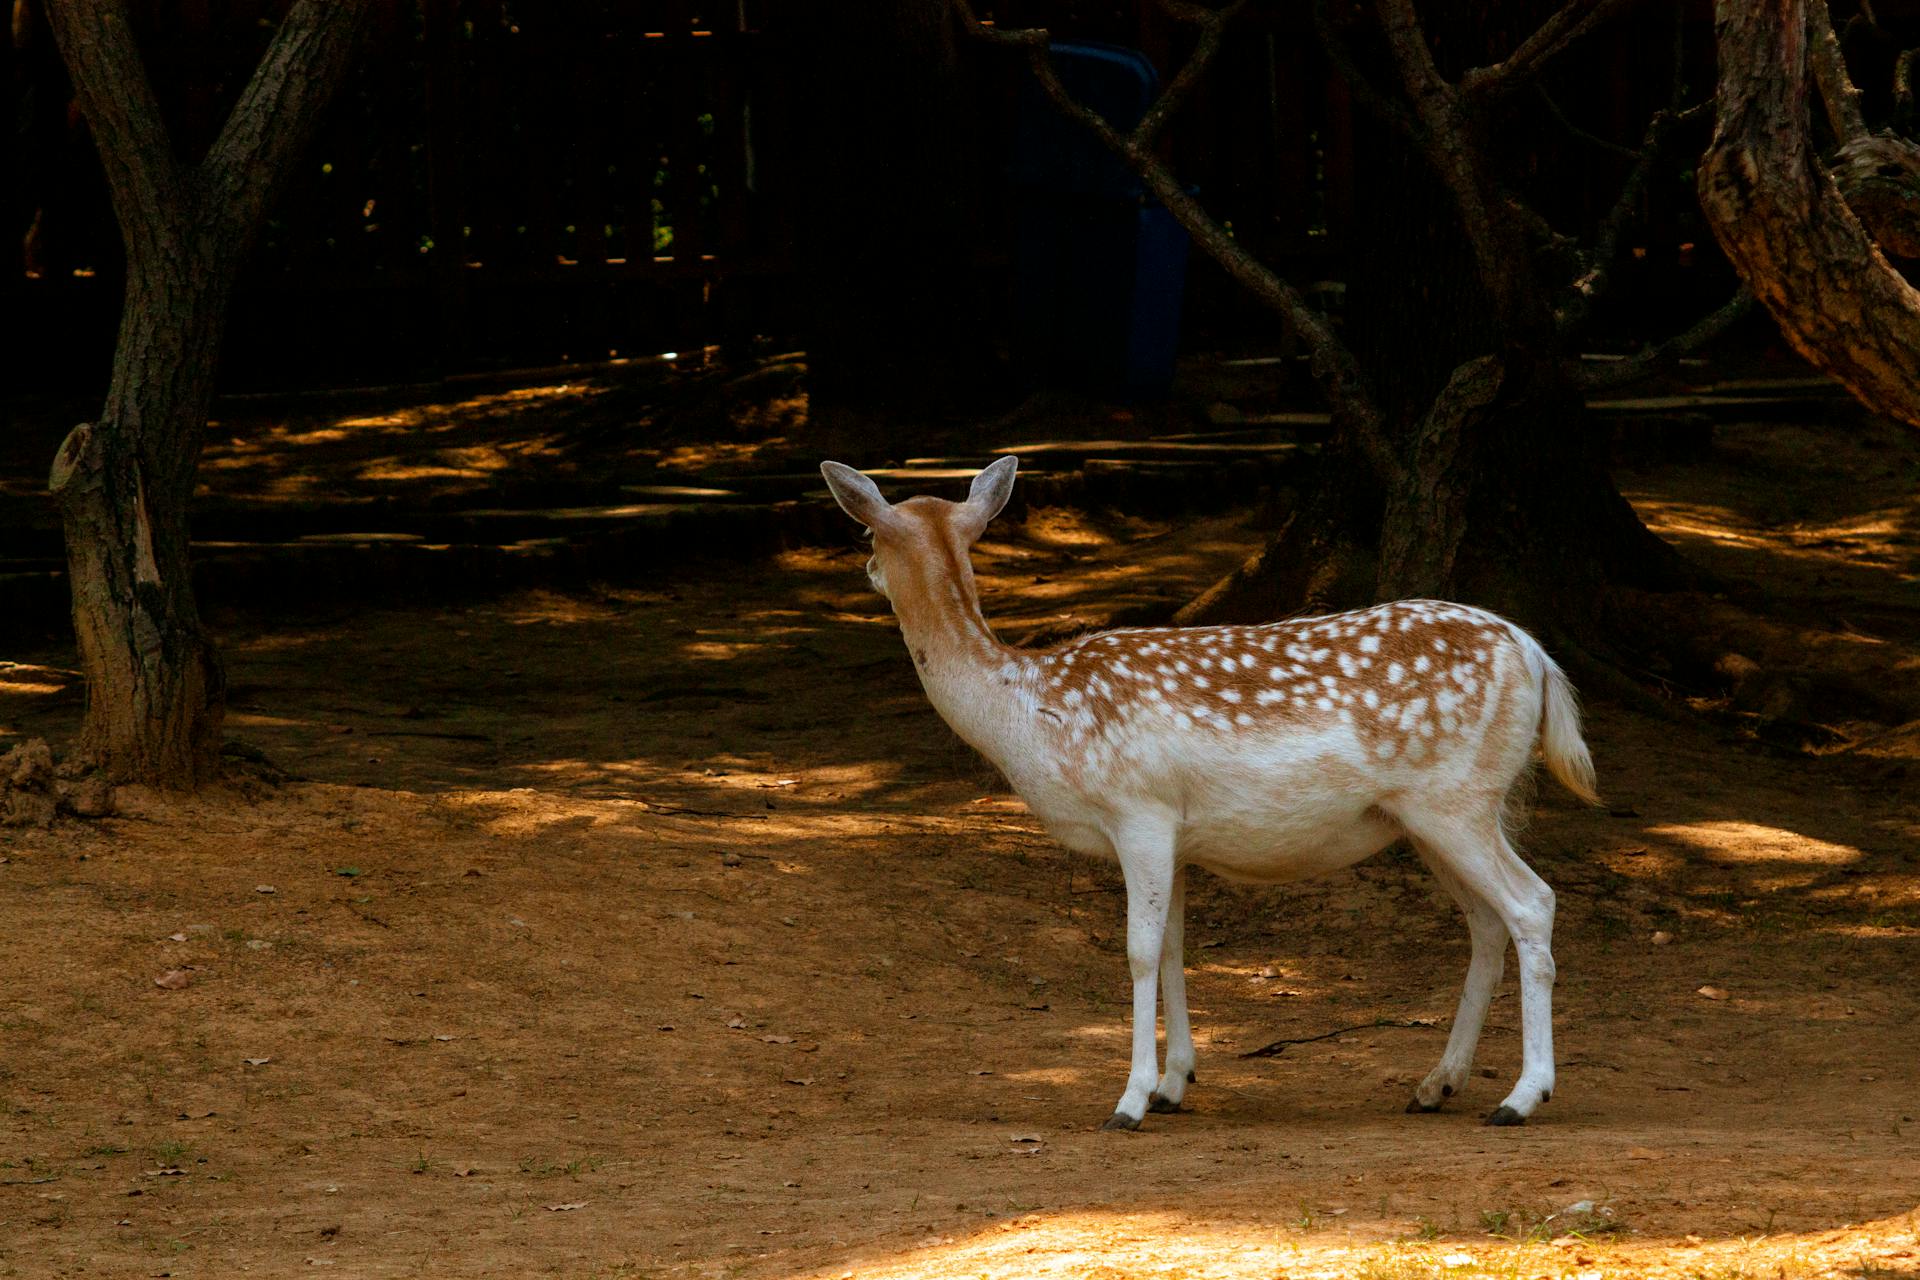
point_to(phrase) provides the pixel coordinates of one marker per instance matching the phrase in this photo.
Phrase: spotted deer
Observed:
(1262, 753)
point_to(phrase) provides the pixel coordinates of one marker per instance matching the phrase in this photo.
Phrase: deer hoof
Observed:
(1120, 1122)
(1416, 1107)
(1164, 1106)
(1504, 1116)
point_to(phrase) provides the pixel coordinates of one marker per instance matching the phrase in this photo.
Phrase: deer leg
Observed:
(1167, 1095)
(1483, 975)
(1476, 852)
(1146, 860)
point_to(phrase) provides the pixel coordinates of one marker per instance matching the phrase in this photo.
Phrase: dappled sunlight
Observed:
(1735, 842)
(1306, 1241)
(1881, 539)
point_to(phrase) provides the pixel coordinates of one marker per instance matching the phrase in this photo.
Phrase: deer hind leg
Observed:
(1146, 859)
(1172, 1089)
(1489, 936)
(1476, 852)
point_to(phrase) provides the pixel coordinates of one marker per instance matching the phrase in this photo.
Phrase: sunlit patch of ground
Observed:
(1300, 1246)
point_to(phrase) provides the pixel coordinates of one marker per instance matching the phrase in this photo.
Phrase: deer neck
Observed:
(971, 678)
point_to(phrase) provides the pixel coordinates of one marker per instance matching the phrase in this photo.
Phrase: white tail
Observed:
(1262, 753)
(1564, 750)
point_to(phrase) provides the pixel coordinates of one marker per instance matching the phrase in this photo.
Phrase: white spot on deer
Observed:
(1267, 697)
(1395, 673)
(1422, 662)
(1348, 666)
(1369, 644)
(1385, 748)
(1325, 704)
(1230, 695)
(1242, 718)
(1369, 697)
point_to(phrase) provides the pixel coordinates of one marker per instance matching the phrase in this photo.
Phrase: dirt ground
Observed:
(667, 932)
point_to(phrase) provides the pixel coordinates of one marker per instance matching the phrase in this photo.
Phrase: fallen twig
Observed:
(1279, 1047)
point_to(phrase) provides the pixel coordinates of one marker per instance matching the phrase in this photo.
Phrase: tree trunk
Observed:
(124, 483)
(155, 687)
(1784, 226)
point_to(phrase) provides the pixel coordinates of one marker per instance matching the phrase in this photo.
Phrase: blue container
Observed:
(1099, 266)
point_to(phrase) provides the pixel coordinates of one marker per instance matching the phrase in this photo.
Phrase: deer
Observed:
(1262, 753)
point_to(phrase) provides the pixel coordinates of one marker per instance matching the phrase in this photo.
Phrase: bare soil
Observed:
(668, 932)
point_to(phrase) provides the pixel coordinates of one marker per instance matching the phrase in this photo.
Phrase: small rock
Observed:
(173, 980)
(1712, 993)
(1661, 938)
(730, 859)
(89, 797)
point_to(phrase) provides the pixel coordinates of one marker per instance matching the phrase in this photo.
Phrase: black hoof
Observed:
(1189, 1077)
(1164, 1106)
(1120, 1121)
(1504, 1116)
(1416, 1107)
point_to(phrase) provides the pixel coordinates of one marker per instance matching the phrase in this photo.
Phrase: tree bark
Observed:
(1784, 225)
(124, 482)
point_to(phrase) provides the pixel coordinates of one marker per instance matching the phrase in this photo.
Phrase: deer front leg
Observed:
(1172, 1089)
(1146, 859)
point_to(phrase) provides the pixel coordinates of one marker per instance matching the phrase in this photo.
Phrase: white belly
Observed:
(1241, 826)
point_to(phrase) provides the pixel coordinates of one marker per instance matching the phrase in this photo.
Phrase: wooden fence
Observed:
(516, 181)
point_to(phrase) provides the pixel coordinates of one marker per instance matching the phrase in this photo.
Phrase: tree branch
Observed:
(110, 81)
(1447, 133)
(1591, 139)
(1569, 24)
(1334, 366)
(1340, 54)
(1830, 73)
(1591, 286)
(1211, 22)
(278, 110)
(1903, 90)
(1618, 373)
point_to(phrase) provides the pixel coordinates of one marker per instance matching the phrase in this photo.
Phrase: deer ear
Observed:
(989, 494)
(857, 495)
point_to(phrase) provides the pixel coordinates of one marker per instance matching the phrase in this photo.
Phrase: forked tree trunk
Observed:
(1499, 492)
(125, 481)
